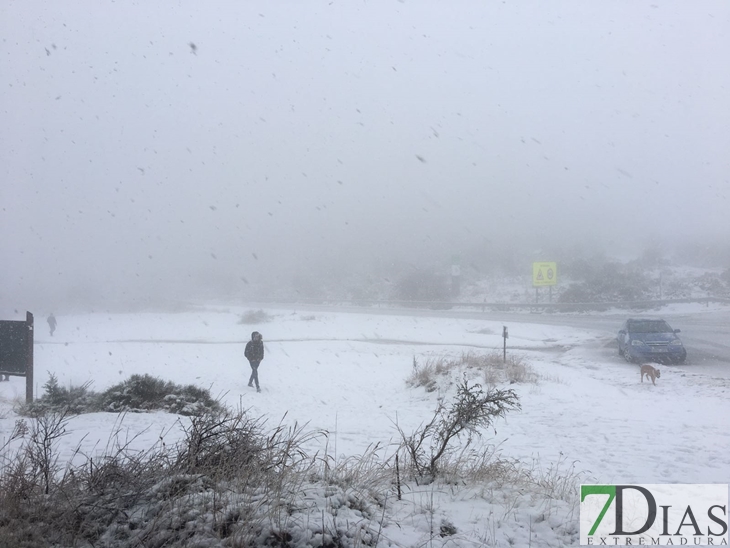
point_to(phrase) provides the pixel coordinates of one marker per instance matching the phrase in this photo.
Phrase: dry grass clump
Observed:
(493, 367)
(477, 463)
(366, 472)
(426, 375)
(554, 486)
(558, 481)
(497, 369)
(510, 484)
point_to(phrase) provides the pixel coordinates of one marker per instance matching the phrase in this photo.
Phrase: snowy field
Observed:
(588, 414)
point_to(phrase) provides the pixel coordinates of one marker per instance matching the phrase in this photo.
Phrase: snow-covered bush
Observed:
(138, 393)
(613, 282)
(146, 393)
(73, 400)
(254, 317)
(421, 285)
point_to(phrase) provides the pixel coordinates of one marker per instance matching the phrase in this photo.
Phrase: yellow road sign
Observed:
(544, 274)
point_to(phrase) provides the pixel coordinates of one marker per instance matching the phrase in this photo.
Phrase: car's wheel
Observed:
(627, 356)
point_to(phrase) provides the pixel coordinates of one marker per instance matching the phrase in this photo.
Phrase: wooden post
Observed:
(29, 362)
(505, 336)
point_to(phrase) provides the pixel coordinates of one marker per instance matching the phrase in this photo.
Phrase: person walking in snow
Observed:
(52, 323)
(254, 354)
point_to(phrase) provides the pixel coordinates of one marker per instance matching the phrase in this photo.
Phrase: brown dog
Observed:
(650, 372)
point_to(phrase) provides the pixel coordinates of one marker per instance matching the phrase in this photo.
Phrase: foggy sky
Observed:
(148, 147)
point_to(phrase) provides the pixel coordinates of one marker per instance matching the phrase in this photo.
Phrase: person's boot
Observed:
(258, 389)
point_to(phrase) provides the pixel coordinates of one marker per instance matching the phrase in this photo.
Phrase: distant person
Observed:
(52, 323)
(254, 354)
(4, 378)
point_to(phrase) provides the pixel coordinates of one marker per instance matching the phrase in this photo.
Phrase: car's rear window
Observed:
(650, 326)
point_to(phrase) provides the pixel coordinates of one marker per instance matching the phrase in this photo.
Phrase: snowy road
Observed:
(705, 331)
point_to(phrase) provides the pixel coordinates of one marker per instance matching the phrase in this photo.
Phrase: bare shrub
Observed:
(227, 468)
(220, 442)
(41, 453)
(103, 492)
(471, 410)
(20, 430)
(44, 503)
(19, 487)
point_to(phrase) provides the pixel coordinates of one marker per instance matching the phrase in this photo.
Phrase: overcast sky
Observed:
(148, 146)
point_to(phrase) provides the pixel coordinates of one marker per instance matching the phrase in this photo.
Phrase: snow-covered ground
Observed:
(588, 415)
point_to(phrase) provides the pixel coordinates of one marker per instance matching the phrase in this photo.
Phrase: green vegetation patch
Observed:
(136, 394)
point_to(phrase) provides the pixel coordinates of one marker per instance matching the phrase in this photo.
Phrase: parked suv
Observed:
(645, 339)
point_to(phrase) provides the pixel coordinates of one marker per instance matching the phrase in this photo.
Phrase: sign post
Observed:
(455, 275)
(544, 274)
(29, 358)
(16, 351)
(505, 336)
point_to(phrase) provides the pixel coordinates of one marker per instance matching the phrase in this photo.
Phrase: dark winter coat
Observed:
(254, 348)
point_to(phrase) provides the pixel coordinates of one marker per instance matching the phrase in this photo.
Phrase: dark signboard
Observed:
(16, 347)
